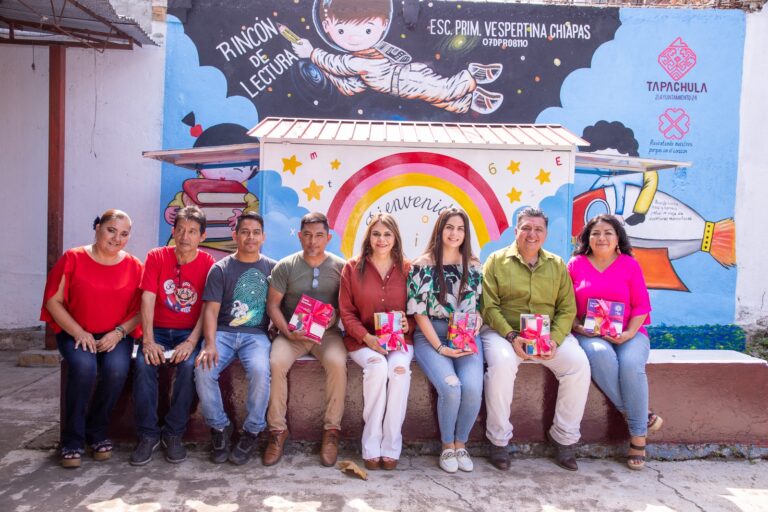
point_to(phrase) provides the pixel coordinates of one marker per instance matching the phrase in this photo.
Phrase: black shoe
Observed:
(499, 457)
(142, 454)
(244, 449)
(220, 441)
(175, 451)
(565, 455)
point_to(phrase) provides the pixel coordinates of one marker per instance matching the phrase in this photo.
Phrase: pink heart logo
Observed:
(674, 123)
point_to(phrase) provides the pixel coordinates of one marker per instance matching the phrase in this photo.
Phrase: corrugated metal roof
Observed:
(89, 23)
(527, 136)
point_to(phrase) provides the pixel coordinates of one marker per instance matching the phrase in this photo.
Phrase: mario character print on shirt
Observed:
(179, 296)
(249, 304)
(357, 28)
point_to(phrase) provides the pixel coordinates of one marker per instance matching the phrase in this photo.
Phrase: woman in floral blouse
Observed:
(447, 279)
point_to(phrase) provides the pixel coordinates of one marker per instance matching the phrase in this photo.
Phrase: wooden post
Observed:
(56, 124)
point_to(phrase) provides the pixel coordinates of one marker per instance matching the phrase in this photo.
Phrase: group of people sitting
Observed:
(199, 315)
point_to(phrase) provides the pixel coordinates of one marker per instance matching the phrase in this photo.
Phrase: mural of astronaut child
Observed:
(358, 28)
(221, 193)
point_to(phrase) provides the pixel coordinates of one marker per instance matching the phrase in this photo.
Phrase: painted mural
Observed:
(352, 183)
(651, 83)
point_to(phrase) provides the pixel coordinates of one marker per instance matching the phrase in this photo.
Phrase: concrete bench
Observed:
(705, 396)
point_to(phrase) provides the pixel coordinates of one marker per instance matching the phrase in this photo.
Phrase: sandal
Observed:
(70, 458)
(102, 450)
(372, 464)
(654, 422)
(636, 462)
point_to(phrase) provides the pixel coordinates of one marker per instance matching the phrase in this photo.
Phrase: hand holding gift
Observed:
(312, 317)
(535, 330)
(389, 330)
(462, 328)
(604, 317)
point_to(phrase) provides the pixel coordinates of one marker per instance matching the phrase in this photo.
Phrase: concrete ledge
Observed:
(22, 339)
(41, 357)
(707, 398)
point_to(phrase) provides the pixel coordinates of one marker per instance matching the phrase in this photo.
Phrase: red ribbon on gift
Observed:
(461, 337)
(542, 342)
(604, 320)
(319, 312)
(389, 338)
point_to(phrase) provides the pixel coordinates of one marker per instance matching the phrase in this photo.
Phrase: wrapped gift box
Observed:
(536, 328)
(312, 317)
(389, 330)
(461, 331)
(605, 317)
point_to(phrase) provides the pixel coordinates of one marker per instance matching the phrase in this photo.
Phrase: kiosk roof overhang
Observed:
(620, 164)
(362, 132)
(209, 157)
(378, 132)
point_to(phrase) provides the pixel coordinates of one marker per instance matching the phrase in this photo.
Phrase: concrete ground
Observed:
(31, 480)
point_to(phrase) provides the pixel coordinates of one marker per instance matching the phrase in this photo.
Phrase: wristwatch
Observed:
(511, 335)
(121, 331)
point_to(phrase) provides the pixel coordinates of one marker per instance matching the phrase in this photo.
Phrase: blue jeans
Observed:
(253, 352)
(145, 388)
(459, 384)
(86, 419)
(619, 371)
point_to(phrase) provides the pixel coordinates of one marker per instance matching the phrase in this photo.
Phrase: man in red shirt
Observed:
(173, 281)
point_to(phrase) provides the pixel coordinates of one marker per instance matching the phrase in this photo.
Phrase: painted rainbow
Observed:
(440, 172)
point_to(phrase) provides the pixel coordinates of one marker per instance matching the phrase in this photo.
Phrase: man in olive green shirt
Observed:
(524, 278)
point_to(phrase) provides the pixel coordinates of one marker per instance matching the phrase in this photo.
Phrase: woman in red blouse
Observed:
(374, 282)
(92, 301)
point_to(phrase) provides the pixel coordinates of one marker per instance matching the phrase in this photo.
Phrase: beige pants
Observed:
(332, 355)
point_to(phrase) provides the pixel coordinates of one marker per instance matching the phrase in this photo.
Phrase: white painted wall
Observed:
(24, 172)
(114, 111)
(752, 183)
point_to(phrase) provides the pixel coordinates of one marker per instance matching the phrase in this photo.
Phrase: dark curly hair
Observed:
(582, 243)
(605, 135)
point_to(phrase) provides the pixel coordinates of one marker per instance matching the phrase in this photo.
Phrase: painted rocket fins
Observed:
(721, 244)
(657, 269)
(669, 224)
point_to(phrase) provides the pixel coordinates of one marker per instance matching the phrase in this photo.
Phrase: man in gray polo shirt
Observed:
(315, 273)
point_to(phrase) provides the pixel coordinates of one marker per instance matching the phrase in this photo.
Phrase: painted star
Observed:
(543, 176)
(514, 195)
(291, 164)
(313, 191)
(514, 167)
(335, 164)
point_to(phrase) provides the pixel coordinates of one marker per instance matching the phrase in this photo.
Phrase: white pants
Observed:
(386, 384)
(571, 367)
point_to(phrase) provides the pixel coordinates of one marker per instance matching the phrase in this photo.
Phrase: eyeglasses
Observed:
(315, 275)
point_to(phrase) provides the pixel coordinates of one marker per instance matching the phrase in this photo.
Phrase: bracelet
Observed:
(121, 331)
(439, 349)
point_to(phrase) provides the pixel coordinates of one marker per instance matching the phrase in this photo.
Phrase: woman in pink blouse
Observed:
(603, 268)
(375, 282)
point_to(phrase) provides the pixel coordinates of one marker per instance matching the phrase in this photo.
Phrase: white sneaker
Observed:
(463, 460)
(448, 462)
